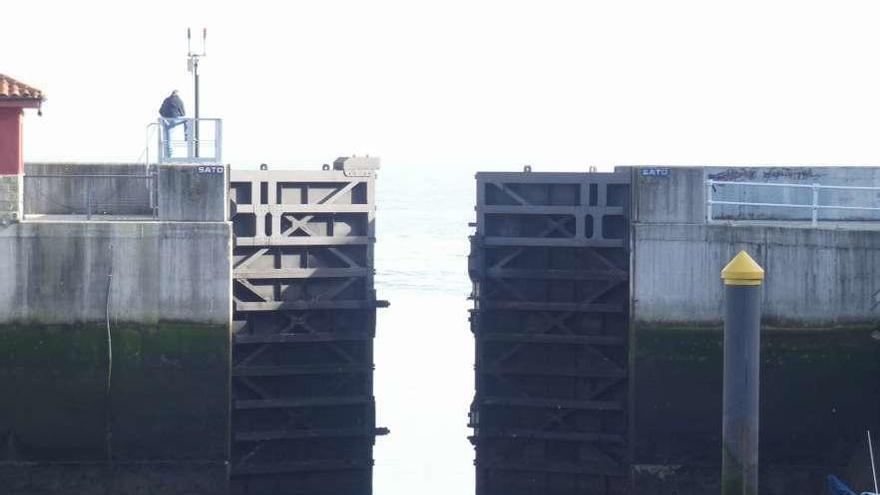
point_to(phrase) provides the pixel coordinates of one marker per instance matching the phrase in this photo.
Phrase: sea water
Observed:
(424, 350)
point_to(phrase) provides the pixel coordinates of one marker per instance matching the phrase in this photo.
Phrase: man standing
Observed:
(172, 113)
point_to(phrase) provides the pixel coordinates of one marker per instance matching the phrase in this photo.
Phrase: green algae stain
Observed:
(819, 391)
(168, 391)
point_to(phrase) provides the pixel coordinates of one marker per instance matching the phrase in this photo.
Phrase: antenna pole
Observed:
(195, 130)
(194, 68)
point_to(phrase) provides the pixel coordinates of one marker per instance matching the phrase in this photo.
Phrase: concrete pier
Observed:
(820, 350)
(115, 337)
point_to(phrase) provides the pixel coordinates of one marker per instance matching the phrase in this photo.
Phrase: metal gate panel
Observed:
(550, 269)
(303, 412)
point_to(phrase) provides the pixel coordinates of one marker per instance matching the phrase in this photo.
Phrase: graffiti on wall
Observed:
(765, 174)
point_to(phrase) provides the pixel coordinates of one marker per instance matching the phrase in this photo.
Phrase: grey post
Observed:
(743, 278)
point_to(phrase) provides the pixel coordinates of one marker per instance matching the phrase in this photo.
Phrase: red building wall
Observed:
(11, 159)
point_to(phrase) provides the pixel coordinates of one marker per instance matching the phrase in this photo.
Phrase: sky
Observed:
(477, 84)
(439, 90)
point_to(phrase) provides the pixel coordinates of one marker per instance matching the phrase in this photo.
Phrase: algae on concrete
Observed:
(817, 398)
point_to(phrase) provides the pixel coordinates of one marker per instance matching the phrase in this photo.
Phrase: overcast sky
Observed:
(465, 84)
(560, 85)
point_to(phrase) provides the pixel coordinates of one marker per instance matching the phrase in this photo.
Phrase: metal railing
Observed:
(128, 196)
(813, 205)
(185, 140)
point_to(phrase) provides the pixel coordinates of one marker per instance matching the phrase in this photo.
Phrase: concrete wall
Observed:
(10, 198)
(155, 294)
(183, 193)
(820, 338)
(814, 277)
(677, 195)
(193, 193)
(160, 271)
(109, 196)
(826, 176)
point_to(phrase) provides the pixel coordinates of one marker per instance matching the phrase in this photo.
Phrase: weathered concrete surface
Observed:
(193, 193)
(10, 198)
(825, 176)
(183, 193)
(58, 272)
(679, 193)
(820, 340)
(676, 197)
(163, 289)
(815, 277)
(110, 196)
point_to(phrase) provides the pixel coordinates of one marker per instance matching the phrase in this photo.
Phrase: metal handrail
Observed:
(194, 145)
(814, 205)
(777, 184)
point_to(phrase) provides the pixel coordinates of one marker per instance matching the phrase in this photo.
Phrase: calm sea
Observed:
(424, 347)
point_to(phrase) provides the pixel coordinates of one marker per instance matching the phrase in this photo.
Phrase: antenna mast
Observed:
(192, 65)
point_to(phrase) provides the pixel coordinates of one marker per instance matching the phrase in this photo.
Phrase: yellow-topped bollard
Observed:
(742, 270)
(743, 278)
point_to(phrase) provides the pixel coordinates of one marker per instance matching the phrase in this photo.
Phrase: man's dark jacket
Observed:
(172, 107)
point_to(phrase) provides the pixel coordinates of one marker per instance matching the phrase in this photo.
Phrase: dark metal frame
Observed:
(550, 267)
(304, 320)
